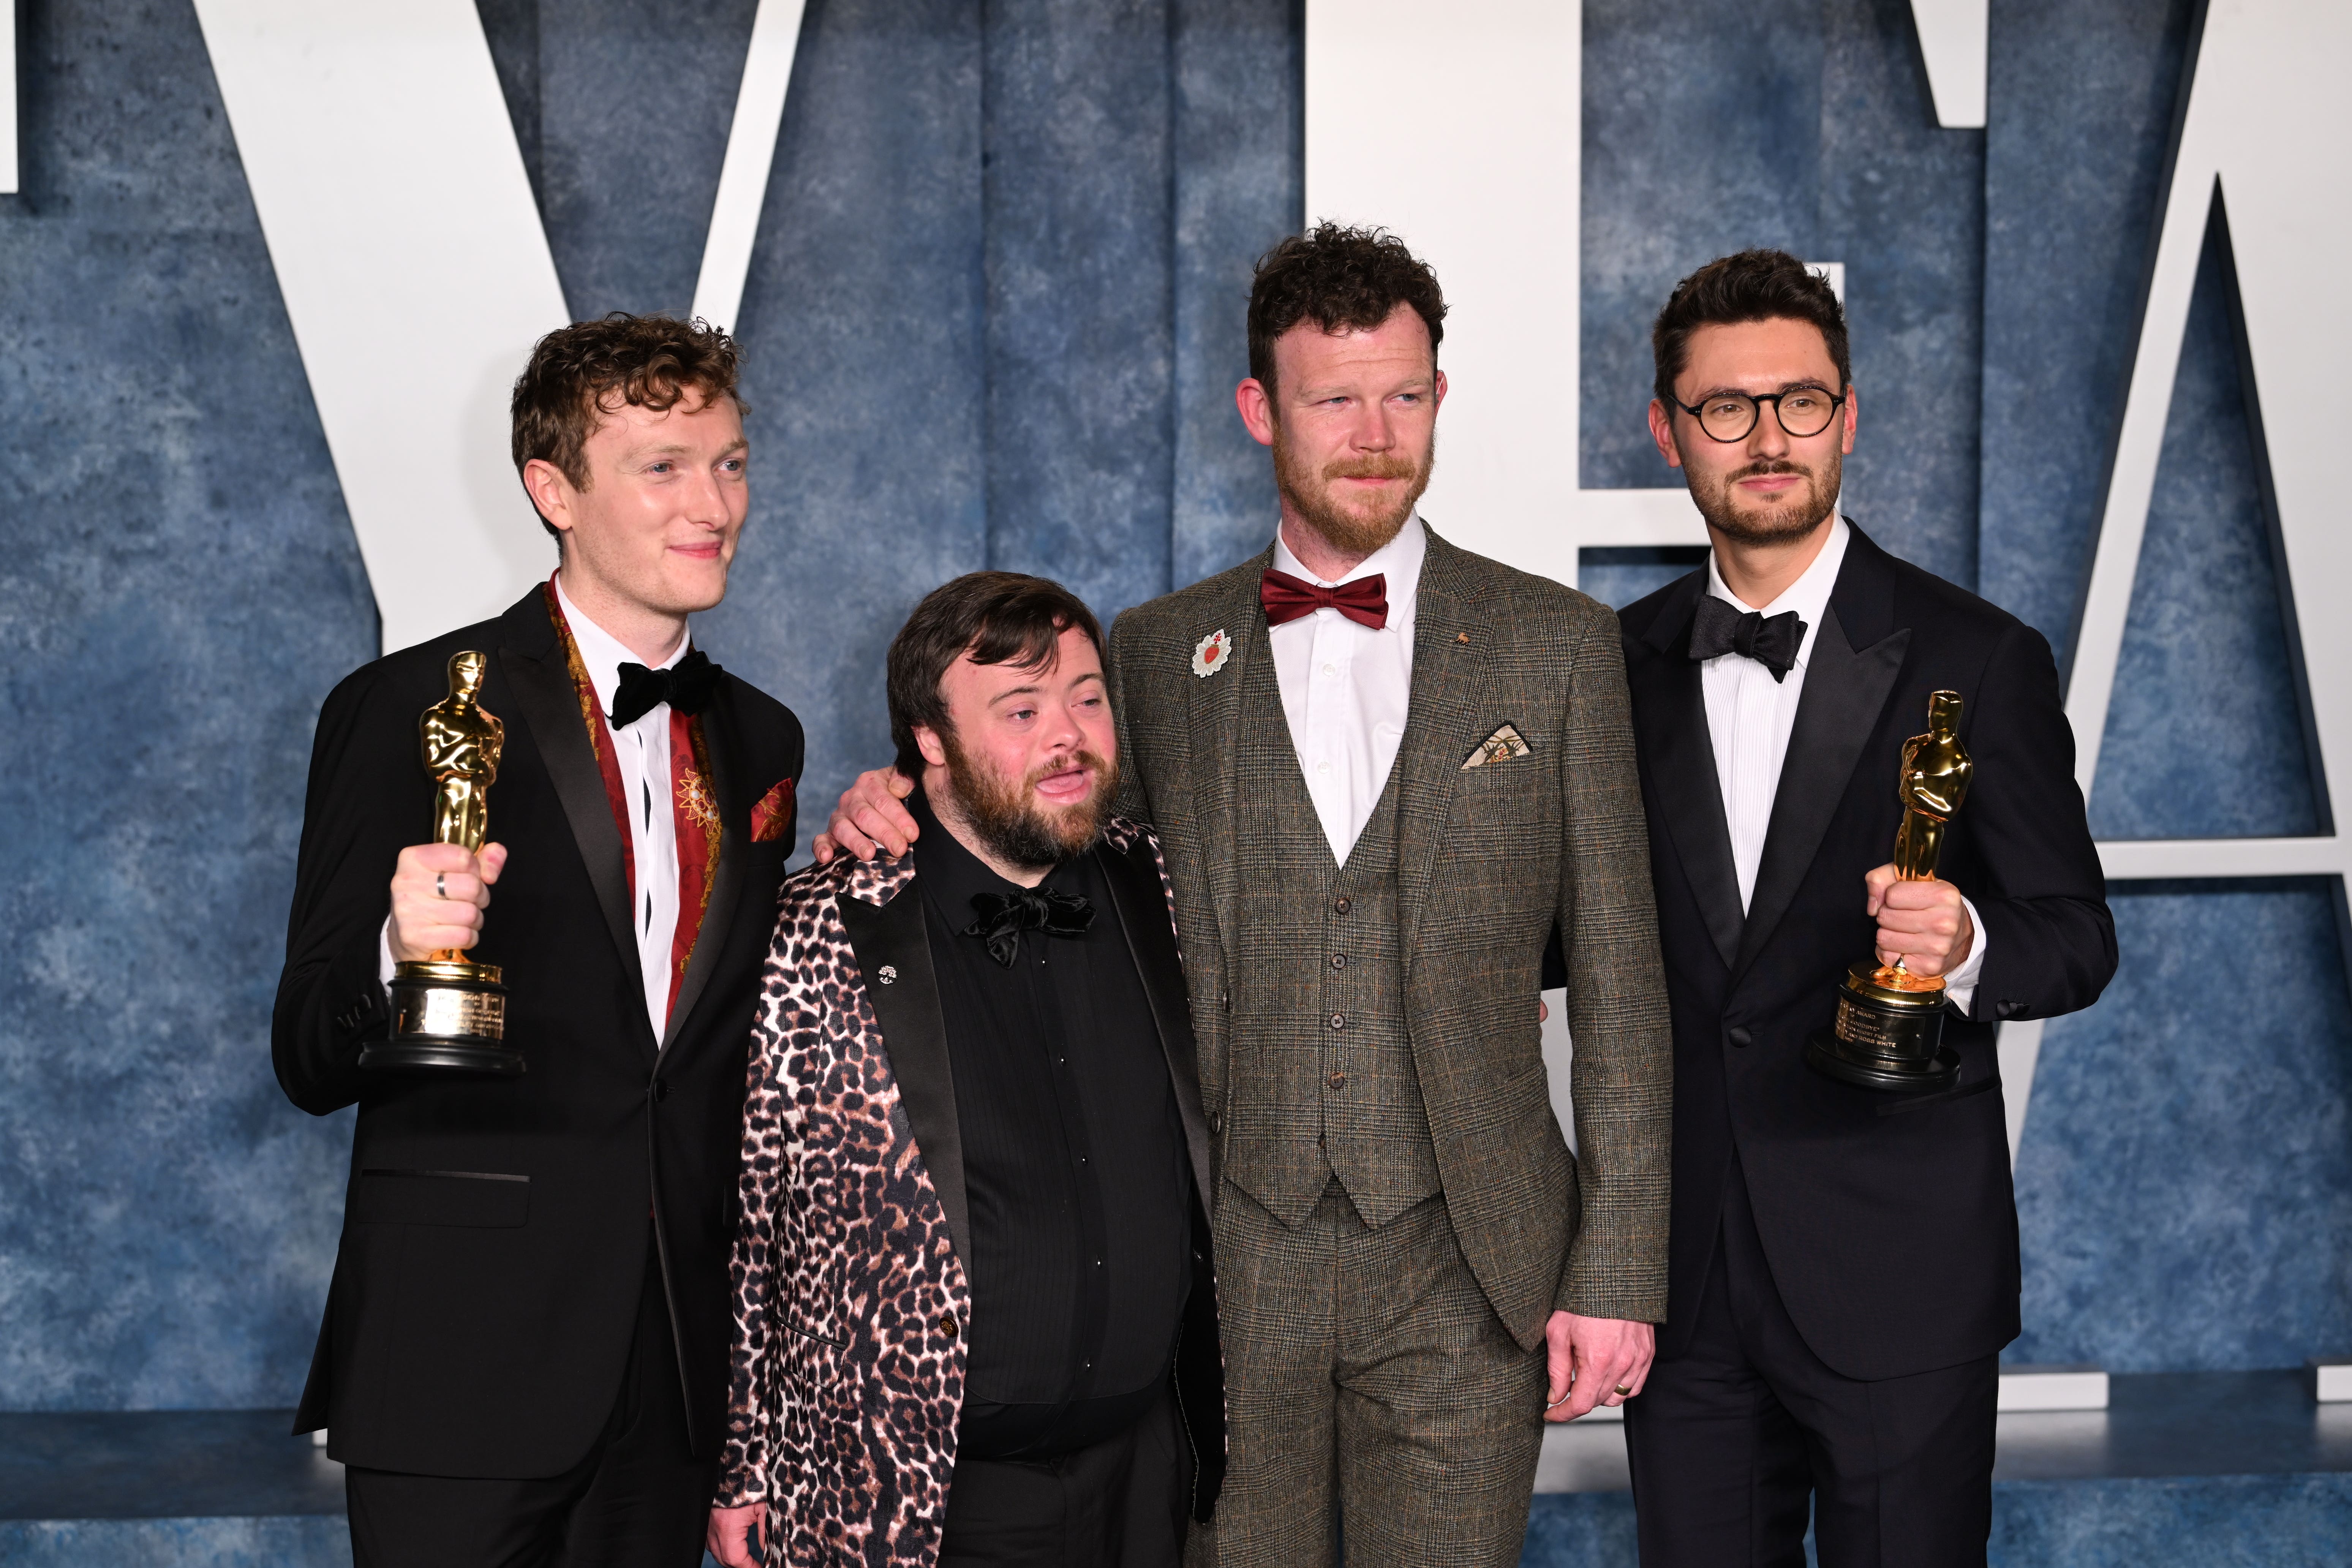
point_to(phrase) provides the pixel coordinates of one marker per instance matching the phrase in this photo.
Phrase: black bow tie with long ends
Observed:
(1004, 916)
(686, 686)
(1771, 641)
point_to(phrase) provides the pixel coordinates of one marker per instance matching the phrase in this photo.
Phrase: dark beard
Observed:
(1350, 533)
(1786, 522)
(1013, 826)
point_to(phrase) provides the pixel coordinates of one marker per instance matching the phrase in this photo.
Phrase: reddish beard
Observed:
(1313, 494)
(1015, 826)
(1778, 521)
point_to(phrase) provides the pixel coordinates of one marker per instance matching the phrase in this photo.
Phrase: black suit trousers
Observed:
(1734, 1435)
(638, 1500)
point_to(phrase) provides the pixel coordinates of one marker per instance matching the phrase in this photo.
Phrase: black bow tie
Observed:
(1771, 641)
(1004, 916)
(686, 686)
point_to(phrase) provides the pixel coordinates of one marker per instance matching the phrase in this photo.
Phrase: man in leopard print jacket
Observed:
(975, 1316)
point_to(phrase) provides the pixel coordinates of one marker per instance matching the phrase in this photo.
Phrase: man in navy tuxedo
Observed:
(1843, 1267)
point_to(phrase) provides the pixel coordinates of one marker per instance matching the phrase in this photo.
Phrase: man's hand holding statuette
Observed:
(438, 894)
(1925, 924)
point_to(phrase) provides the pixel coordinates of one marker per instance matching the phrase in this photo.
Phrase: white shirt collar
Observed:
(1809, 596)
(603, 653)
(1399, 560)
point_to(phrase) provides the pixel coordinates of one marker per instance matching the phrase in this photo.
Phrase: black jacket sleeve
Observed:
(363, 772)
(2041, 889)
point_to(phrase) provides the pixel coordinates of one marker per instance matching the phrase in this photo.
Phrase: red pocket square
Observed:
(772, 818)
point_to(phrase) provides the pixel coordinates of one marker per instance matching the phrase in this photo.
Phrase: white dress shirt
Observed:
(1749, 716)
(642, 750)
(1345, 687)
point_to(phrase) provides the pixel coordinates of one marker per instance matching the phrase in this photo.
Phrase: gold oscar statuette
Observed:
(1889, 1033)
(450, 1014)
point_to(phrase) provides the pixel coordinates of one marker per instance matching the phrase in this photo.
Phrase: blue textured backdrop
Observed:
(994, 318)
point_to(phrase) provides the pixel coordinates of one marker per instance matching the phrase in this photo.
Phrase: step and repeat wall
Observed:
(265, 273)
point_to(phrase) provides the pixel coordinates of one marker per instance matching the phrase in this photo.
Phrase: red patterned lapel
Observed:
(694, 799)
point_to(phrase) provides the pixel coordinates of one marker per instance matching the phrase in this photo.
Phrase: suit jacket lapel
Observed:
(1141, 903)
(891, 935)
(1215, 710)
(727, 784)
(1857, 656)
(1450, 655)
(1670, 714)
(533, 661)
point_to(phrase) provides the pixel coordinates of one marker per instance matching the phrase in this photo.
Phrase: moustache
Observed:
(1385, 468)
(1763, 466)
(1075, 760)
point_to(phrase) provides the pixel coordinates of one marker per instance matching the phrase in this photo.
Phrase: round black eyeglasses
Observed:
(1729, 416)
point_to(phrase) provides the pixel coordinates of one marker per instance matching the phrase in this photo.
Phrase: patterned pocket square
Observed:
(1499, 747)
(772, 817)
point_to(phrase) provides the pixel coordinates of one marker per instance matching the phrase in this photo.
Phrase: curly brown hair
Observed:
(1751, 286)
(578, 372)
(1341, 279)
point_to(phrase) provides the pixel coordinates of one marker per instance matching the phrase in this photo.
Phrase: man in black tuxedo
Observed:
(1843, 1267)
(524, 1354)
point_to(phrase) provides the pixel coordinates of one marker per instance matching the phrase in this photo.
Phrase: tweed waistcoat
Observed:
(1324, 1079)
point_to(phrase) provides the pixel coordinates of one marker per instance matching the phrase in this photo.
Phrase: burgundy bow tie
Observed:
(1364, 601)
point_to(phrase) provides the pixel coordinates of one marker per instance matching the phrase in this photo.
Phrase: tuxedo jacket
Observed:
(1488, 860)
(1888, 1219)
(852, 1294)
(495, 1231)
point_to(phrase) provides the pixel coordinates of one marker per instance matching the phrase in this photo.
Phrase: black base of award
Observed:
(1888, 1037)
(447, 1016)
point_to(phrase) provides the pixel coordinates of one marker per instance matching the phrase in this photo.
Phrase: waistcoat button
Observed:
(1341, 905)
(1338, 961)
(1339, 1020)
(1339, 1080)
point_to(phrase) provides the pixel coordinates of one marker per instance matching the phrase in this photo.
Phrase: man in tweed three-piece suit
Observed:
(1382, 770)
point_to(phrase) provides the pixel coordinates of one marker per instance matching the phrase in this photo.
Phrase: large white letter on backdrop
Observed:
(392, 193)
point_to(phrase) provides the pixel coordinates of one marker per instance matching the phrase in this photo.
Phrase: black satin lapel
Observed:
(1670, 715)
(1142, 907)
(1445, 719)
(550, 708)
(1216, 702)
(727, 876)
(915, 1039)
(1845, 692)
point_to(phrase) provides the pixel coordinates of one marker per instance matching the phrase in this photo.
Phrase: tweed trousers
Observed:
(1371, 1393)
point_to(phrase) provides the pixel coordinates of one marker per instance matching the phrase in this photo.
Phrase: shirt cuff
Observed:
(384, 955)
(1960, 985)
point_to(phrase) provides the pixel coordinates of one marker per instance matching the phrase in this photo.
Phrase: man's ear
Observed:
(549, 491)
(1256, 401)
(1662, 431)
(928, 742)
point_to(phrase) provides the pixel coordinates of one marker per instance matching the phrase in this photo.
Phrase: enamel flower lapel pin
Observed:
(1209, 654)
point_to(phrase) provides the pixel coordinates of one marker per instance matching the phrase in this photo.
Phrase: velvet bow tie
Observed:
(1771, 641)
(1004, 916)
(1364, 601)
(686, 686)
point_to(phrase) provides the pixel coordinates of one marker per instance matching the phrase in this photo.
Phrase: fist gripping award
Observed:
(1890, 1022)
(450, 1014)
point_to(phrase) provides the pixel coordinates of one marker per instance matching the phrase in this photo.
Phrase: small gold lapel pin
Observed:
(1501, 746)
(1461, 636)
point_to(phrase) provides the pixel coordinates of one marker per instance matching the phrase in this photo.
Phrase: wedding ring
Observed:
(1625, 1391)
(440, 884)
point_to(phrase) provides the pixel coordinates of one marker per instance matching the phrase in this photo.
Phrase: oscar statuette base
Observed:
(447, 1016)
(1888, 1035)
